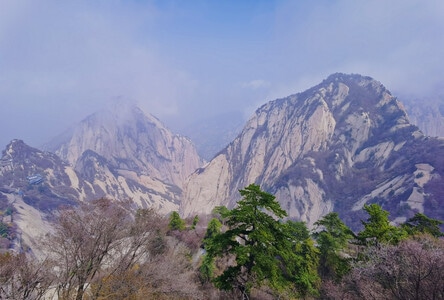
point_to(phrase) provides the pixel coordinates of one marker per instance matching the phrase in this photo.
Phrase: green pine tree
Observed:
(332, 237)
(176, 222)
(377, 228)
(420, 223)
(265, 250)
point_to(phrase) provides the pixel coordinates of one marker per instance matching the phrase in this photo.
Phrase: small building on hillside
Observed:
(35, 179)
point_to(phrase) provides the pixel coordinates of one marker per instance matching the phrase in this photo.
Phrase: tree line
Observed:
(108, 250)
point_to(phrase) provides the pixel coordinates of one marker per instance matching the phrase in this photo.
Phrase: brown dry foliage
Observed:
(414, 269)
(22, 278)
(101, 250)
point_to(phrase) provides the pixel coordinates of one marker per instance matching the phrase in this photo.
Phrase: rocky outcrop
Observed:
(41, 178)
(119, 153)
(60, 184)
(124, 153)
(131, 140)
(336, 146)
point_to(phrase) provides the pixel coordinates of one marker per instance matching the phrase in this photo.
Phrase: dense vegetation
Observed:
(108, 250)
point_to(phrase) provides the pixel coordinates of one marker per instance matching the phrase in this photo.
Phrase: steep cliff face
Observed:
(120, 153)
(46, 182)
(41, 178)
(33, 183)
(336, 146)
(132, 140)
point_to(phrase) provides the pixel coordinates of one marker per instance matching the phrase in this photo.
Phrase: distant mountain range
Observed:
(335, 147)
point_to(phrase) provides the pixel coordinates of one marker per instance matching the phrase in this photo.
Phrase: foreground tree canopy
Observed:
(256, 248)
(262, 248)
(103, 250)
(106, 249)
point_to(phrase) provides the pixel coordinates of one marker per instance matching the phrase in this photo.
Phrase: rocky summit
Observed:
(120, 154)
(131, 141)
(129, 154)
(335, 147)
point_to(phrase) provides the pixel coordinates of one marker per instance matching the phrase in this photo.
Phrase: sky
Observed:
(183, 61)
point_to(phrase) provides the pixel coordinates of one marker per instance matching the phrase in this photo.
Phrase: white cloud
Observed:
(256, 84)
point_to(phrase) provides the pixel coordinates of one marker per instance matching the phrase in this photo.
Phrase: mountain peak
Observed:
(336, 146)
(344, 77)
(130, 139)
(16, 144)
(18, 150)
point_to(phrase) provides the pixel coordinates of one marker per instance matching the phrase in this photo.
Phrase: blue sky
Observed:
(186, 60)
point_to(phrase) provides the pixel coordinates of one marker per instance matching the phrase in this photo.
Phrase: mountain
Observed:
(427, 114)
(32, 184)
(335, 147)
(121, 153)
(129, 154)
(42, 178)
(45, 182)
(132, 142)
(118, 154)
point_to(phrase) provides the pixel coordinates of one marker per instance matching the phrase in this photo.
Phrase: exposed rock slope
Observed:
(45, 182)
(336, 146)
(128, 154)
(41, 178)
(131, 140)
(119, 153)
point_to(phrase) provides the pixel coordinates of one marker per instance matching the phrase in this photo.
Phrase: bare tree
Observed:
(142, 240)
(23, 278)
(414, 269)
(102, 250)
(83, 238)
(165, 276)
(149, 264)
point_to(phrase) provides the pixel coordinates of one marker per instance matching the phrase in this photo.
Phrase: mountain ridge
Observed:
(131, 140)
(120, 153)
(306, 146)
(339, 145)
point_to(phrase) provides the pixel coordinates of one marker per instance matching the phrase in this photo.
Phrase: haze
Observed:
(187, 60)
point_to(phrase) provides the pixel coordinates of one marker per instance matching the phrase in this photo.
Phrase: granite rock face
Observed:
(130, 139)
(335, 147)
(125, 153)
(340, 145)
(44, 181)
(121, 153)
